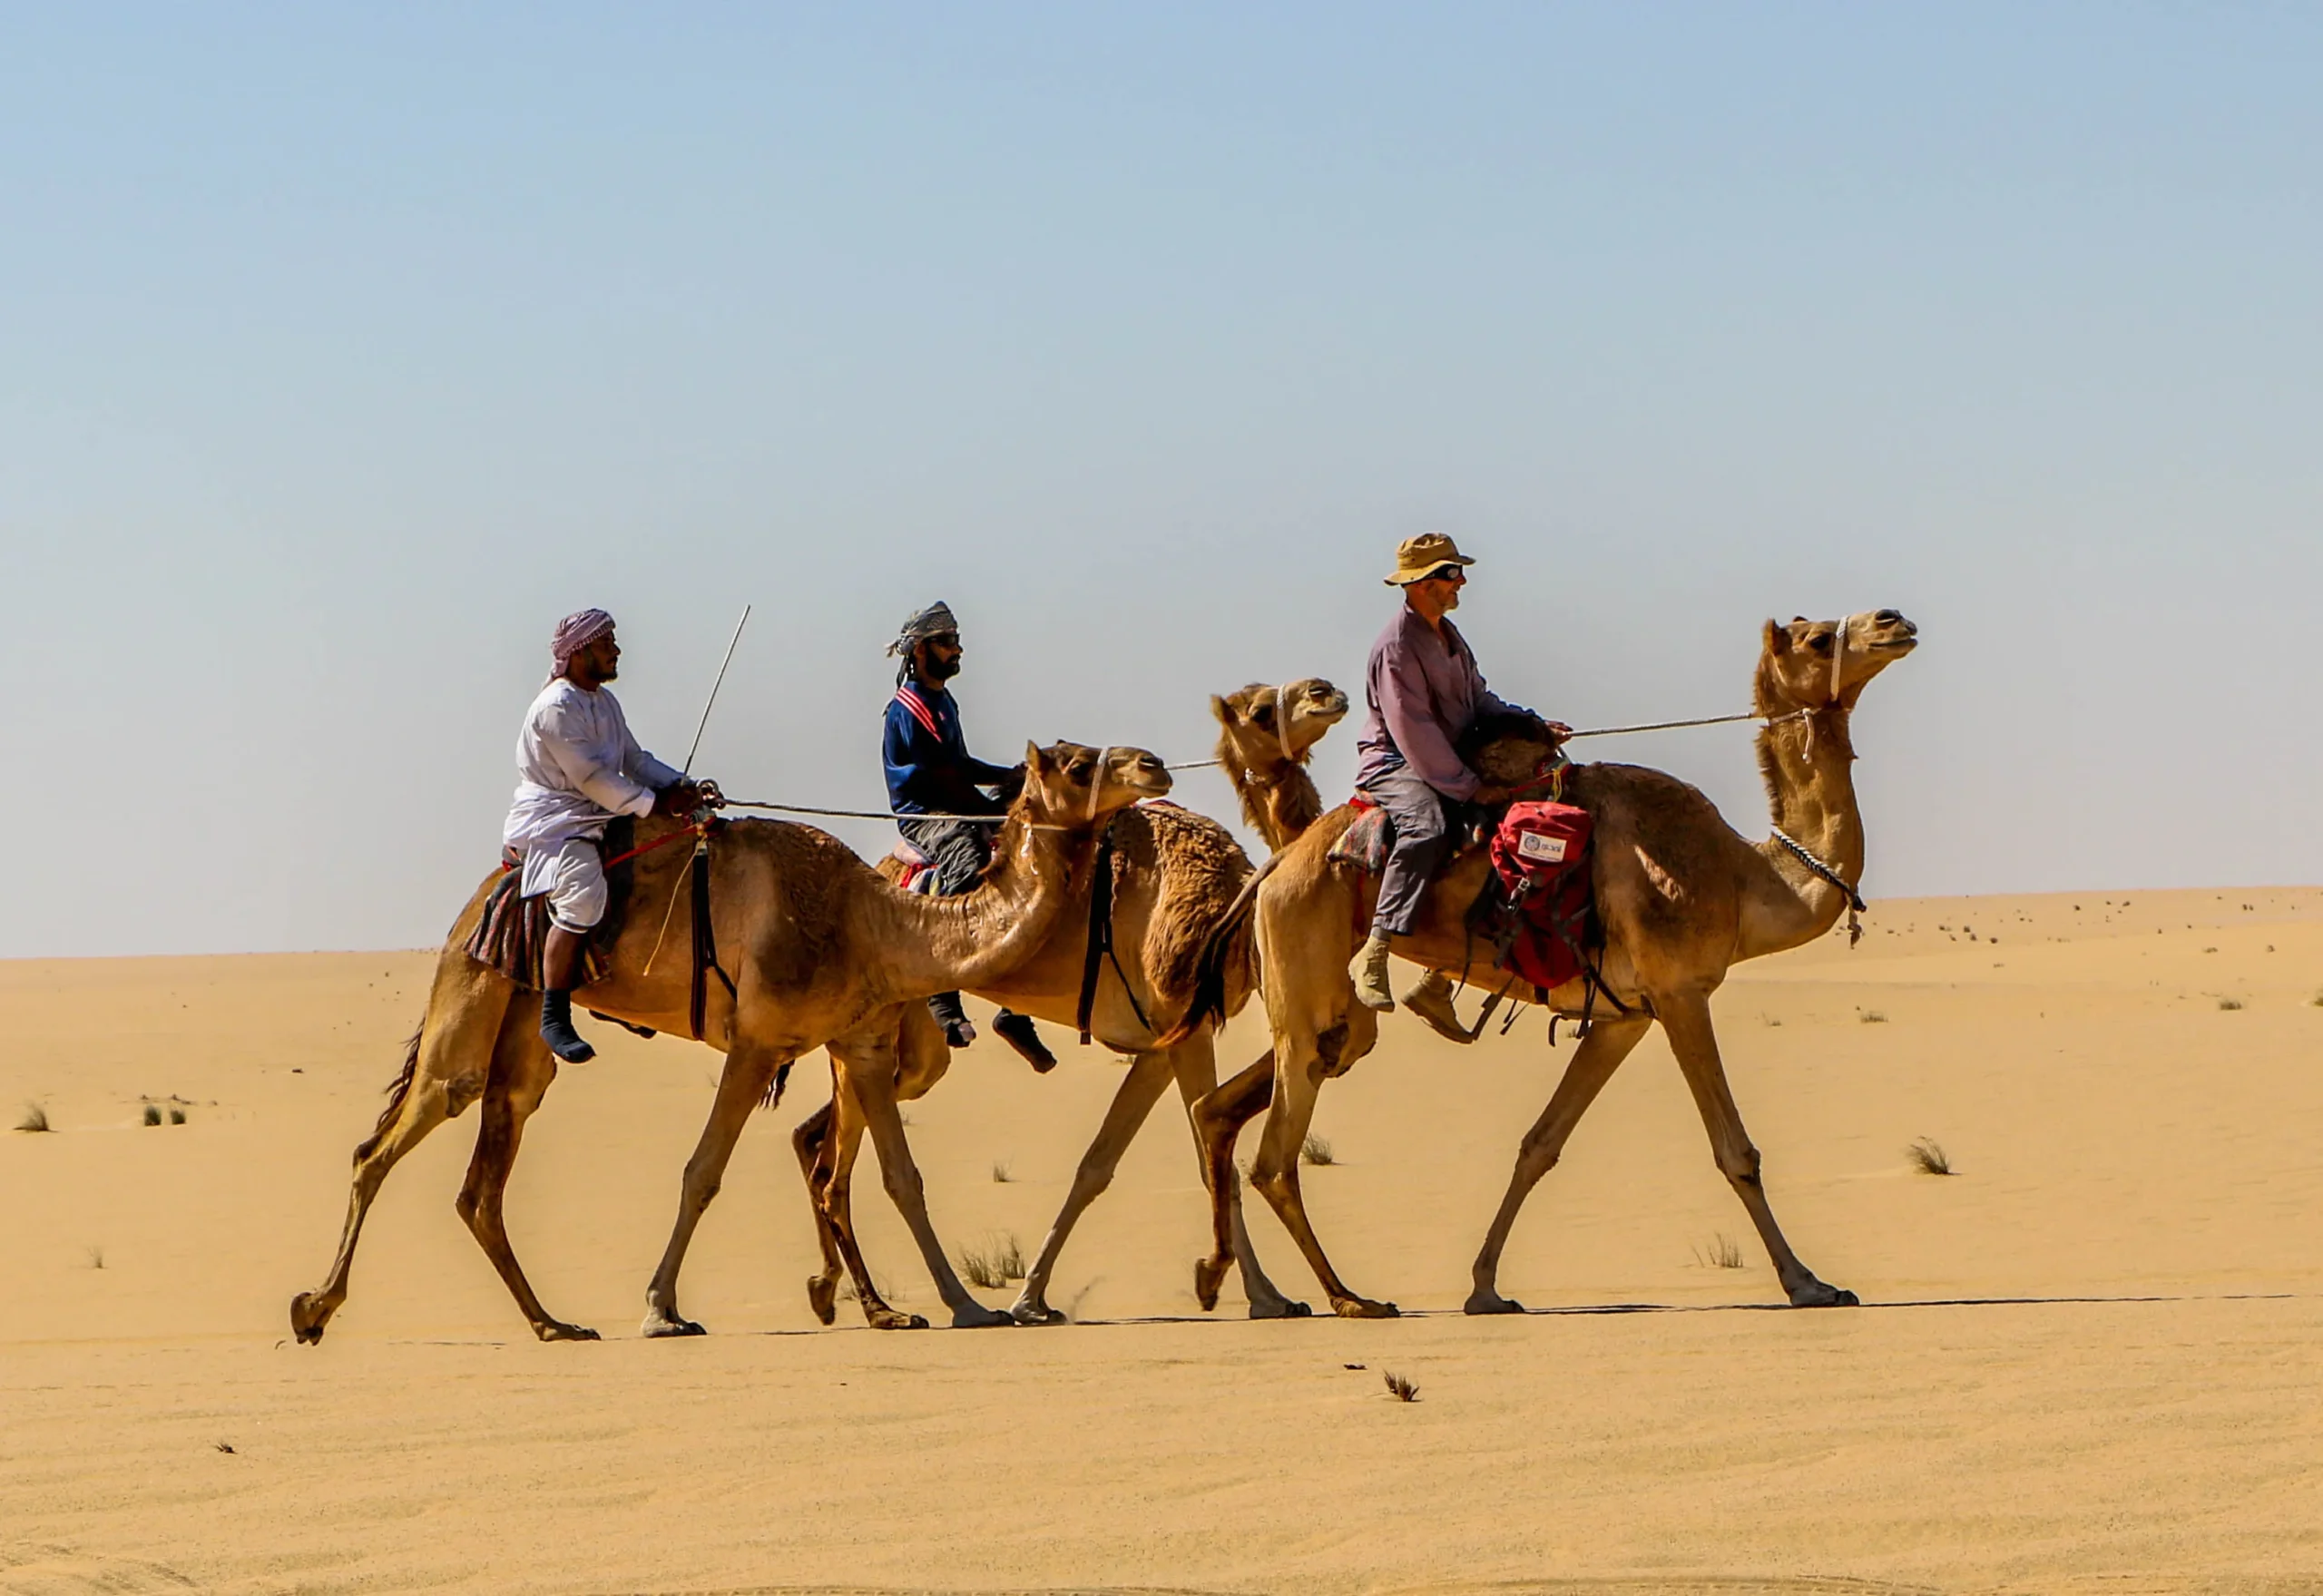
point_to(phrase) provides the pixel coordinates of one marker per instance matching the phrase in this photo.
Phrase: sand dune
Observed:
(2088, 1359)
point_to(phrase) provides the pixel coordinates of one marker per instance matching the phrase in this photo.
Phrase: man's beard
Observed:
(938, 670)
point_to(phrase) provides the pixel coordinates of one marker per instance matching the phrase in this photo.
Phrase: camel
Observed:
(1176, 873)
(1681, 898)
(814, 943)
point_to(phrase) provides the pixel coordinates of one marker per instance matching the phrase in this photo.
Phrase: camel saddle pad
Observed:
(1367, 843)
(514, 932)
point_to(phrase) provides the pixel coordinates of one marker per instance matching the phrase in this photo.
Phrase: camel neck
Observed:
(978, 937)
(1278, 798)
(1809, 765)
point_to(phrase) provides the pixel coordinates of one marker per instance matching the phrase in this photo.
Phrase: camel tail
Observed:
(398, 1090)
(1219, 949)
(773, 1097)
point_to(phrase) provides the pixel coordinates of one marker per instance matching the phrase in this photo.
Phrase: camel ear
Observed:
(1777, 638)
(1036, 759)
(1221, 711)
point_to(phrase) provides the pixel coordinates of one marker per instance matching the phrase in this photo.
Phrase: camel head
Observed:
(1809, 664)
(1262, 725)
(1069, 784)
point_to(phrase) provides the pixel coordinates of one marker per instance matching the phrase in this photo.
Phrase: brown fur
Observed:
(1176, 873)
(815, 941)
(1681, 898)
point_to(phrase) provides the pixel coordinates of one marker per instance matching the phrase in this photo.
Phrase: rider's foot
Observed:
(556, 1029)
(1018, 1031)
(1431, 1000)
(958, 1031)
(1369, 970)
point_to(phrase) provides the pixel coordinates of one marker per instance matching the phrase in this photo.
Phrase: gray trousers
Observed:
(1423, 819)
(956, 850)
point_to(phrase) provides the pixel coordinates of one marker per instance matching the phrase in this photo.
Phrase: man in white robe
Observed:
(578, 766)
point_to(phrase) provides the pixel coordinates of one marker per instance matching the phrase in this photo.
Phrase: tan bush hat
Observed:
(1416, 556)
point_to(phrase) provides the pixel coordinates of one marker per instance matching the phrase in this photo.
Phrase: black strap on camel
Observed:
(705, 944)
(1099, 948)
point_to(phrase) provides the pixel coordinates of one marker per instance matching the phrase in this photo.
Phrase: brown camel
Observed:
(1176, 873)
(1681, 898)
(815, 943)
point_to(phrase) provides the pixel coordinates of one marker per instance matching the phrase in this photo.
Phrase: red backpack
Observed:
(1541, 855)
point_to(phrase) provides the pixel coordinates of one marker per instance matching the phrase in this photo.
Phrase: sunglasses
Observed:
(1446, 573)
(943, 639)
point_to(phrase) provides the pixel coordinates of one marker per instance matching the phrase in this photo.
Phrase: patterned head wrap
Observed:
(573, 633)
(933, 622)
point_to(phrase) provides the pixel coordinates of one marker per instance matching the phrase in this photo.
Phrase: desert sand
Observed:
(2090, 1359)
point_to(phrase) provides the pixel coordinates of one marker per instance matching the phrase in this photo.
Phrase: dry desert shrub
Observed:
(2229, 1004)
(1722, 1253)
(1001, 1173)
(1316, 1150)
(1927, 1157)
(153, 1113)
(995, 1264)
(177, 1116)
(1401, 1390)
(1871, 1016)
(36, 1119)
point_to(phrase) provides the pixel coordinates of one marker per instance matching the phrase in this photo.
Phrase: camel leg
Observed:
(750, 1069)
(1297, 1079)
(1600, 1052)
(1218, 1120)
(1197, 1077)
(834, 1208)
(522, 1071)
(871, 1077)
(1133, 1100)
(813, 1145)
(1685, 1018)
(448, 1071)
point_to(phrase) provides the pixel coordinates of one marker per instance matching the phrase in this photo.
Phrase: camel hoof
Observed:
(822, 1295)
(558, 1330)
(889, 1319)
(1035, 1313)
(1281, 1307)
(306, 1323)
(1490, 1302)
(661, 1326)
(1209, 1273)
(1363, 1308)
(975, 1316)
(1816, 1294)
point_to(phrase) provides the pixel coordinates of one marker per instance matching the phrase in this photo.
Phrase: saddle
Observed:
(514, 932)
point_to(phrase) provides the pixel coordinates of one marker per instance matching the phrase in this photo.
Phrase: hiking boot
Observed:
(1431, 1000)
(1369, 970)
(958, 1029)
(556, 1029)
(1018, 1031)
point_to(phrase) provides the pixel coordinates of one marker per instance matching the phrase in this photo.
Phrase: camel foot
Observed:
(1027, 1310)
(659, 1326)
(1814, 1293)
(558, 1330)
(1363, 1308)
(883, 1318)
(1209, 1273)
(308, 1317)
(975, 1316)
(1280, 1307)
(822, 1295)
(1481, 1301)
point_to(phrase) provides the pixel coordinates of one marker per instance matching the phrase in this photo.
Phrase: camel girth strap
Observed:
(705, 941)
(1100, 943)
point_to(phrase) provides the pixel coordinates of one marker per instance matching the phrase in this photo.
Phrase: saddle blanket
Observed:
(513, 934)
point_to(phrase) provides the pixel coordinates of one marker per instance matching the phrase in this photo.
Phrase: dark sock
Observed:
(556, 1029)
(1018, 1031)
(949, 1014)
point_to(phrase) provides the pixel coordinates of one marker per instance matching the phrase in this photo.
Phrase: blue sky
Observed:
(343, 349)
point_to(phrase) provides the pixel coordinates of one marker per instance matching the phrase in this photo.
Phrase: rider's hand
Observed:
(709, 795)
(678, 799)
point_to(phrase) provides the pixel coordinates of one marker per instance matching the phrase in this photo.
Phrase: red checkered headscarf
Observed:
(573, 633)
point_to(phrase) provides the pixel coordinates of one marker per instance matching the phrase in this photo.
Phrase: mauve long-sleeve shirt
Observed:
(1424, 690)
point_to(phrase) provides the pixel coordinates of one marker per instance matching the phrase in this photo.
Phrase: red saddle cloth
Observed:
(1541, 855)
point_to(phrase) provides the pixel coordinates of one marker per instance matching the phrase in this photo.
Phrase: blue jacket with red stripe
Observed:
(929, 767)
